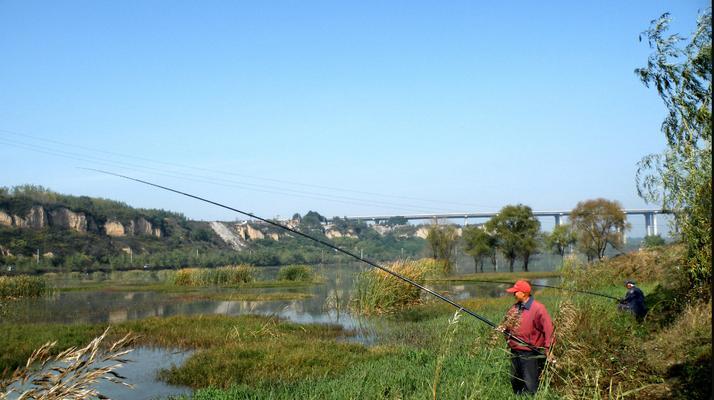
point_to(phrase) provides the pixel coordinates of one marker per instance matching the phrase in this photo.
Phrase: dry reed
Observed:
(69, 374)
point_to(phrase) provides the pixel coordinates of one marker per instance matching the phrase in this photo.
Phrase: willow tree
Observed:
(442, 240)
(680, 178)
(479, 244)
(517, 231)
(598, 223)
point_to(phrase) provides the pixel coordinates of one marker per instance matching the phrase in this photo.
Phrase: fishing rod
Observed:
(336, 248)
(554, 287)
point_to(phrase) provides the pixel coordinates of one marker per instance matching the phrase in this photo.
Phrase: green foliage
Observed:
(479, 244)
(297, 273)
(380, 292)
(597, 224)
(396, 221)
(517, 231)
(443, 240)
(680, 178)
(652, 241)
(560, 239)
(223, 276)
(22, 286)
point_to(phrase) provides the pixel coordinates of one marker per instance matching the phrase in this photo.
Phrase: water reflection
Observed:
(326, 303)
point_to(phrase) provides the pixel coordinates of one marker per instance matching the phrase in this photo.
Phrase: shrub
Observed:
(223, 276)
(297, 273)
(379, 291)
(22, 286)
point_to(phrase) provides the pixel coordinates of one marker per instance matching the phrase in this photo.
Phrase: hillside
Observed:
(41, 230)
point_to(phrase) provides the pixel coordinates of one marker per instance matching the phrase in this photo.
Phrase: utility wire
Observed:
(183, 166)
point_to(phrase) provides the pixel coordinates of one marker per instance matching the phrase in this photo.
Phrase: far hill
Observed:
(41, 230)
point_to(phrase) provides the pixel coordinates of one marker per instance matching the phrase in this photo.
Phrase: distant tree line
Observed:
(595, 225)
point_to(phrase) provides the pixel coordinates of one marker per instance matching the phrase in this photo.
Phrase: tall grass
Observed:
(223, 276)
(70, 374)
(296, 273)
(379, 292)
(22, 286)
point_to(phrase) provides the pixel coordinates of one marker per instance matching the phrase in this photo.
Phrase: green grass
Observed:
(222, 276)
(22, 286)
(379, 292)
(419, 354)
(296, 273)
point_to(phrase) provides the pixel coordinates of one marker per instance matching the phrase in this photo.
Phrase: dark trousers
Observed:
(526, 367)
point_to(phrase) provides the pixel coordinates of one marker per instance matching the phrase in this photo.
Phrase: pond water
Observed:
(327, 303)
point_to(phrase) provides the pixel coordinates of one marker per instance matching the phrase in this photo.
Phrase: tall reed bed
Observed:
(379, 292)
(223, 276)
(22, 286)
(296, 273)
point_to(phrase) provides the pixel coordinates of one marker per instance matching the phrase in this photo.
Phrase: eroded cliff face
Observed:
(136, 227)
(114, 228)
(227, 235)
(64, 218)
(5, 218)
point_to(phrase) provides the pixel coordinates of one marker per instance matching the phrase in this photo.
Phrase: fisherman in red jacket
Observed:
(527, 320)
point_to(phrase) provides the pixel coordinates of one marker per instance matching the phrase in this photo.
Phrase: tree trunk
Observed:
(481, 264)
(475, 264)
(511, 261)
(526, 258)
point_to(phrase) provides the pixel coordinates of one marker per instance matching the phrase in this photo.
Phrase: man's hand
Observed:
(549, 357)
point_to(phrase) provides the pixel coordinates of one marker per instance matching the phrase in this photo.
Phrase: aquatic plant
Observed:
(69, 374)
(380, 292)
(223, 276)
(298, 273)
(22, 286)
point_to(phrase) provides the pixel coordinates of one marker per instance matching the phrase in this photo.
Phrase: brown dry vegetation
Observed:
(666, 356)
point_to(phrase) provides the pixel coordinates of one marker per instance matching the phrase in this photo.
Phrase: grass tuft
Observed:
(223, 276)
(22, 286)
(296, 273)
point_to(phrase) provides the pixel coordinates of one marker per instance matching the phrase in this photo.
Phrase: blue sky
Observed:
(344, 108)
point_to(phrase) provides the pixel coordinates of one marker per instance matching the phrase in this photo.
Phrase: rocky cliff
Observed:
(39, 218)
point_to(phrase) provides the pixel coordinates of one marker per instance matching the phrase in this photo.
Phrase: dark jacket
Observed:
(635, 302)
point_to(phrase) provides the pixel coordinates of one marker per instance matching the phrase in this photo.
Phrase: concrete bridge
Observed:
(650, 216)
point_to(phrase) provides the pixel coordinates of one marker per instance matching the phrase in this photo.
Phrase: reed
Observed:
(379, 292)
(69, 374)
(296, 273)
(22, 286)
(223, 276)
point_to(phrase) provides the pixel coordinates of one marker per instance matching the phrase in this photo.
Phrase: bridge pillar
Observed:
(557, 220)
(654, 224)
(648, 224)
(466, 221)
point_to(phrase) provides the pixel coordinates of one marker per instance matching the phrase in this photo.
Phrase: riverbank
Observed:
(425, 349)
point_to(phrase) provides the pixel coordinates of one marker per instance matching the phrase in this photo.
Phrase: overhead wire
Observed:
(223, 172)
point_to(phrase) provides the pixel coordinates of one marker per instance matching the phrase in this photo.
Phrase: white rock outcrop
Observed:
(114, 228)
(67, 219)
(227, 235)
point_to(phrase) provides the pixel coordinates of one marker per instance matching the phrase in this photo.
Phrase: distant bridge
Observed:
(649, 214)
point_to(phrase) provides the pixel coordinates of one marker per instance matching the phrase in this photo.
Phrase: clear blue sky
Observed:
(403, 106)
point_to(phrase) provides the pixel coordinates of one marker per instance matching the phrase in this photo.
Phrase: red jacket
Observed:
(535, 326)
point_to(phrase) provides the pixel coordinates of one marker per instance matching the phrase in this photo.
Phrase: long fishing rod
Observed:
(553, 287)
(336, 248)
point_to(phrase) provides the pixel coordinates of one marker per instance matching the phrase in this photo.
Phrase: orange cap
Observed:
(520, 286)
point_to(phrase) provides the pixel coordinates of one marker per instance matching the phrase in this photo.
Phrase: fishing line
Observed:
(552, 287)
(332, 246)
